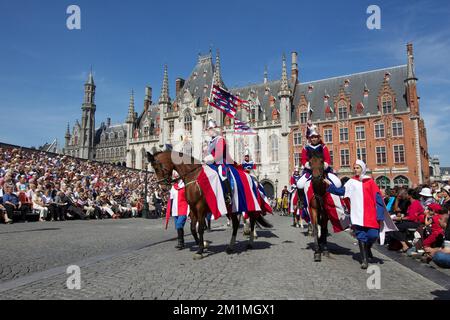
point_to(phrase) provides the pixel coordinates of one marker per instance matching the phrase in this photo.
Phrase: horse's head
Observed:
(162, 164)
(317, 165)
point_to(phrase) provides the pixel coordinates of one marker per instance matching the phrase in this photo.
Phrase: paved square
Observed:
(136, 259)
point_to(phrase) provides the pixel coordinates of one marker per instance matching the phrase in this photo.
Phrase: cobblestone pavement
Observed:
(136, 259)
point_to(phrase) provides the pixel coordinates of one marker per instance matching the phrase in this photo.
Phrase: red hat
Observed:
(435, 207)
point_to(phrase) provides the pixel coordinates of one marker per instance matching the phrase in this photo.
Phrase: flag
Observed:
(224, 101)
(241, 127)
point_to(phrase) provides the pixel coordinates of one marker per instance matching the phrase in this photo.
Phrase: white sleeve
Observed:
(348, 188)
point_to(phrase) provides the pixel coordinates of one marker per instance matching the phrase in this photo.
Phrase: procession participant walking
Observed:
(294, 198)
(178, 208)
(367, 210)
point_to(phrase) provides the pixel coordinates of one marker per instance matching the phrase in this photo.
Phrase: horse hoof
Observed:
(198, 256)
(317, 257)
(230, 250)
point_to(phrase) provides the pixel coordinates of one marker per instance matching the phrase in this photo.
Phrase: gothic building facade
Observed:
(372, 115)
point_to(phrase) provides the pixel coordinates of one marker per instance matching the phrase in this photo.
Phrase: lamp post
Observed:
(276, 189)
(145, 211)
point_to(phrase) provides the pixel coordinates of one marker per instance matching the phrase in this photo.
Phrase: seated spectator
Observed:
(445, 196)
(432, 233)
(11, 203)
(412, 219)
(38, 204)
(427, 197)
(441, 255)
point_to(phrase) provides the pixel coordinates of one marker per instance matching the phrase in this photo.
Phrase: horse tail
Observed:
(263, 222)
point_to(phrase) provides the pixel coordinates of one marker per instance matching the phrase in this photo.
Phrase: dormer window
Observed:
(310, 88)
(346, 83)
(342, 111)
(386, 102)
(387, 76)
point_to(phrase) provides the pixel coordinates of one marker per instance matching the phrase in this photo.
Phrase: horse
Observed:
(319, 216)
(188, 170)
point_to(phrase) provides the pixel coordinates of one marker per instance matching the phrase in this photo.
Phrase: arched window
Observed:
(122, 152)
(386, 103)
(121, 134)
(188, 122)
(133, 159)
(257, 150)
(108, 153)
(117, 152)
(401, 181)
(383, 182)
(274, 148)
(240, 150)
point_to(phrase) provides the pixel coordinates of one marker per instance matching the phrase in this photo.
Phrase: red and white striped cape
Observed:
(177, 204)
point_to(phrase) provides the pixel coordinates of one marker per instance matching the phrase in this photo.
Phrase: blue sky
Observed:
(43, 65)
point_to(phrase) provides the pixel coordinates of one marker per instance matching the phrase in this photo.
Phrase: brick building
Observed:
(373, 116)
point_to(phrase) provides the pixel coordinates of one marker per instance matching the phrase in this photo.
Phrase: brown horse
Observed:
(188, 170)
(319, 217)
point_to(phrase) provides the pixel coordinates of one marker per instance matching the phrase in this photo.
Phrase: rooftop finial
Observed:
(217, 74)
(284, 87)
(164, 97)
(131, 113)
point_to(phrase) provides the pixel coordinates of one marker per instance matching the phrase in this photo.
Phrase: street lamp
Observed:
(276, 189)
(145, 210)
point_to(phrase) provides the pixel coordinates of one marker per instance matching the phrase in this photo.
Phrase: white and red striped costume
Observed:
(177, 204)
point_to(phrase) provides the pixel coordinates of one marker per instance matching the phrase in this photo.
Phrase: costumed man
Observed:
(248, 166)
(293, 197)
(178, 208)
(315, 145)
(218, 158)
(368, 214)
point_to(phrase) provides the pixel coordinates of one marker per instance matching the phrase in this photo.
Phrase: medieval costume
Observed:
(178, 208)
(368, 213)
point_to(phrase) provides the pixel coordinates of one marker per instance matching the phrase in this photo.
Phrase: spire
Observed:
(265, 75)
(68, 131)
(284, 87)
(131, 113)
(90, 78)
(217, 75)
(410, 75)
(164, 97)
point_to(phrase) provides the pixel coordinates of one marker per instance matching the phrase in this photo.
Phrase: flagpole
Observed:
(207, 112)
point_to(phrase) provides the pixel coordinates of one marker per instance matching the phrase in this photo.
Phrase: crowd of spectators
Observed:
(421, 215)
(57, 187)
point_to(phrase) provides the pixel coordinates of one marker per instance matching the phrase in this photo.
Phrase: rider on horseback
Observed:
(218, 158)
(247, 164)
(316, 145)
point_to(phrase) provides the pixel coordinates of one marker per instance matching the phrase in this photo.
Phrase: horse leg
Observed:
(194, 231)
(201, 245)
(314, 222)
(235, 220)
(252, 230)
(323, 238)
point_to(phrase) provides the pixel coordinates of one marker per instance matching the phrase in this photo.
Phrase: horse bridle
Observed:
(168, 181)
